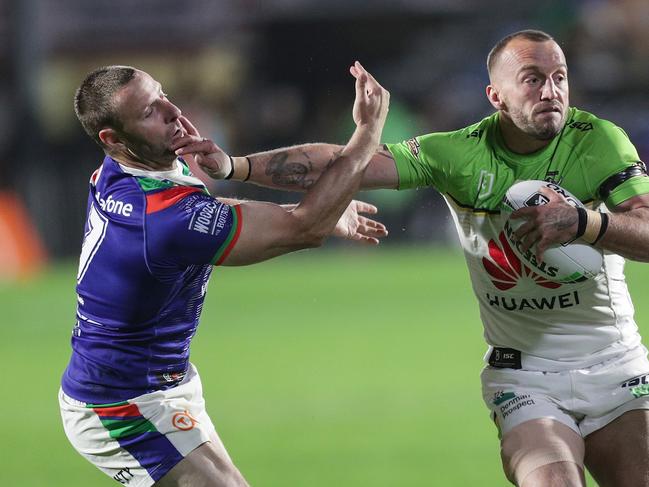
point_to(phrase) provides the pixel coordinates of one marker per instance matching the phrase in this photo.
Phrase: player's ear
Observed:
(494, 98)
(110, 138)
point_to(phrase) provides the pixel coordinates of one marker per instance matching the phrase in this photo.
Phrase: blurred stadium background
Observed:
(336, 367)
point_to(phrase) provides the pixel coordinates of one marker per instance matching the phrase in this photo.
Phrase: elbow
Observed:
(308, 233)
(312, 239)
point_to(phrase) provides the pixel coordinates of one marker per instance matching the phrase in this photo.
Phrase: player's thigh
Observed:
(617, 455)
(543, 452)
(206, 466)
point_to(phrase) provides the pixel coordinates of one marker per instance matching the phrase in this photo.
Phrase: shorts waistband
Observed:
(510, 358)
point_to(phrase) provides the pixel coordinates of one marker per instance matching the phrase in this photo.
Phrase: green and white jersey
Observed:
(555, 326)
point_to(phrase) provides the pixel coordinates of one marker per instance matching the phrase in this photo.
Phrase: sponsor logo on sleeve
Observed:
(209, 219)
(413, 146)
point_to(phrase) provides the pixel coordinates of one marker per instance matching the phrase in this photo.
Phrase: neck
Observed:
(130, 159)
(518, 141)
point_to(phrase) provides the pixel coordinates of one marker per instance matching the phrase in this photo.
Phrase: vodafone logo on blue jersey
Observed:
(117, 207)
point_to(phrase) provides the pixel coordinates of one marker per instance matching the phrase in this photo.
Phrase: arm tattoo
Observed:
(294, 173)
(286, 173)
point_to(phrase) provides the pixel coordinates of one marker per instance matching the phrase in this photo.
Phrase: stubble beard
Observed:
(538, 130)
(147, 153)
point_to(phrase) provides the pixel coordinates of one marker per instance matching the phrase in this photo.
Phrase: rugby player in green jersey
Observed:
(567, 377)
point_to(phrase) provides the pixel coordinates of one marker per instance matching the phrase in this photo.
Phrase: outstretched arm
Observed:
(268, 229)
(297, 168)
(294, 168)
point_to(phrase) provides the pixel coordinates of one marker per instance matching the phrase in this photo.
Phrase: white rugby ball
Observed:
(571, 262)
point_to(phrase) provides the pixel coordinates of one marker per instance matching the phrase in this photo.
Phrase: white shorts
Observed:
(138, 441)
(583, 399)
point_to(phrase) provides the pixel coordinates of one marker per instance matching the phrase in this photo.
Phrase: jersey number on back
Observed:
(93, 238)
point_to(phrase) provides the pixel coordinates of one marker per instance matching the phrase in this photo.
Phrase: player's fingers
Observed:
(524, 229)
(186, 140)
(361, 80)
(365, 239)
(376, 228)
(529, 240)
(526, 212)
(204, 146)
(362, 207)
(551, 194)
(371, 86)
(188, 126)
(367, 226)
(541, 246)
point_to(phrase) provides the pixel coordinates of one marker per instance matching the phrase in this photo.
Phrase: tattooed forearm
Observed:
(289, 173)
(335, 156)
(297, 173)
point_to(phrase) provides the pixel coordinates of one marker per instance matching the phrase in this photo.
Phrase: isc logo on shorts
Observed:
(638, 386)
(642, 380)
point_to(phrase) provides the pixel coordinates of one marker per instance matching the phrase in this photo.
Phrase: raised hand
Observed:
(372, 100)
(546, 225)
(354, 226)
(207, 155)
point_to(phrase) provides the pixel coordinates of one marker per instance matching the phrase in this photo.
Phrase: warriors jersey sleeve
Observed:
(186, 226)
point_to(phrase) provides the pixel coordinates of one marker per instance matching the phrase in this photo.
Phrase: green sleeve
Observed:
(609, 153)
(424, 160)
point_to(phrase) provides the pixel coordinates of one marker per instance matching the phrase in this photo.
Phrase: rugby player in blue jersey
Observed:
(130, 400)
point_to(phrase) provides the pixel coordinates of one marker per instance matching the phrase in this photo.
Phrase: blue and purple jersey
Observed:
(151, 239)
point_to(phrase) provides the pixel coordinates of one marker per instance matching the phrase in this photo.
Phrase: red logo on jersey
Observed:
(505, 268)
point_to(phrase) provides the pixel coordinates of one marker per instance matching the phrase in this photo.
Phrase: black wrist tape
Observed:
(603, 228)
(581, 222)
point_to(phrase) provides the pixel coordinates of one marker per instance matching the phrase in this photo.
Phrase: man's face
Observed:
(531, 79)
(150, 122)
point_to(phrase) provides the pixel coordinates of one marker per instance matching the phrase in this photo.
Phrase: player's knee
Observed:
(537, 443)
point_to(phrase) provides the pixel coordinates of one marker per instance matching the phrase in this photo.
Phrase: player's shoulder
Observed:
(161, 195)
(117, 194)
(598, 132)
(473, 136)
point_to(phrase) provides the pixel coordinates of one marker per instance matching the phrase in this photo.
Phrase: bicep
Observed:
(267, 230)
(633, 203)
(381, 172)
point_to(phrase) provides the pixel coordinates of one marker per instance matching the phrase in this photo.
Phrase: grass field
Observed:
(324, 368)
